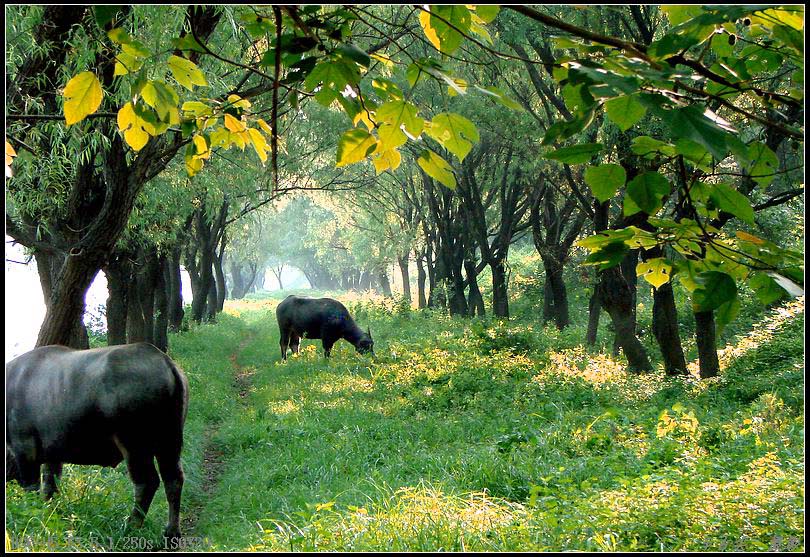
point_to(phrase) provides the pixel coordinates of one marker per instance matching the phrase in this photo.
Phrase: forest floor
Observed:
(458, 435)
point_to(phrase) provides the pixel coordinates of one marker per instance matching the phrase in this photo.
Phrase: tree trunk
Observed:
(146, 280)
(204, 282)
(665, 329)
(135, 322)
(474, 297)
(594, 309)
(705, 335)
(500, 296)
(52, 272)
(160, 336)
(222, 293)
(628, 270)
(211, 302)
(404, 271)
(118, 286)
(421, 277)
(385, 284)
(616, 298)
(556, 295)
(220, 284)
(174, 282)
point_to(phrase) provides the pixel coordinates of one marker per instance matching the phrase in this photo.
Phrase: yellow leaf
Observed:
(136, 130)
(220, 138)
(655, 271)
(233, 124)
(354, 146)
(362, 116)
(430, 32)
(10, 154)
(259, 143)
(238, 101)
(263, 125)
(201, 147)
(387, 160)
(384, 59)
(186, 72)
(193, 165)
(83, 96)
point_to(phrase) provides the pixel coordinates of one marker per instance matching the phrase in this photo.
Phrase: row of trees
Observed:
(669, 137)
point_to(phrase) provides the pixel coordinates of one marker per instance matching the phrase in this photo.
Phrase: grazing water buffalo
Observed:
(322, 318)
(100, 407)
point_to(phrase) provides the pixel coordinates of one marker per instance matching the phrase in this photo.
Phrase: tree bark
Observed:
(616, 298)
(594, 310)
(118, 286)
(404, 270)
(161, 336)
(500, 296)
(665, 329)
(421, 277)
(475, 299)
(705, 335)
(174, 282)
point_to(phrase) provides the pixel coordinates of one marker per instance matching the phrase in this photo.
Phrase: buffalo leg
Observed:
(27, 472)
(53, 471)
(146, 481)
(328, 343)
(295, 343)
(285, 341)
(171, 472)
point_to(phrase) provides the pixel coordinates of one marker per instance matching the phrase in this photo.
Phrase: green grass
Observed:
(461, 435)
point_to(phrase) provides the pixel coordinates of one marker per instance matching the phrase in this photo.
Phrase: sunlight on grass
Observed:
(411, 517)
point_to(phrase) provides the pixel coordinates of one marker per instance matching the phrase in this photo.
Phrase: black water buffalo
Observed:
(98, 406)
(322, 318)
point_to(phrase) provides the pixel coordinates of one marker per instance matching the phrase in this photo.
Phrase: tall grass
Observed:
(477, 435)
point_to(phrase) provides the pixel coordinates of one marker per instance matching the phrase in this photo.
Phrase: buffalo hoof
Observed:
(172, 538)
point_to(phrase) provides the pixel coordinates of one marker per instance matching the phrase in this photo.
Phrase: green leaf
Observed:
(647, 192)
(437, 168)
(604, 180)
(714, 289)
(186, 72)
(577, 97)
(444, 37)
(788, 285)
(597, 241)
(647, 146)
(625, 111)
(764, 163)
(576, 154)
(83, 95)
(487, 12)
(105, 14)
(453, 132)
(355, 54)
(401, 113)
(354, 146)
(725, 314)
(500, 96)
(608, 256)
(693, 122)
(161, 97)
(332, 76)
(731, 201)
(695, 152)
(766, 288)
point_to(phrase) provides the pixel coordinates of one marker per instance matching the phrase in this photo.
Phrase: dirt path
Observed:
(213, 459)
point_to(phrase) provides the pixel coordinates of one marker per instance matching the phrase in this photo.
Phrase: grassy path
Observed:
(213, 458)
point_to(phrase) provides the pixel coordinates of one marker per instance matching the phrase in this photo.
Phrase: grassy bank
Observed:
(460, 435)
